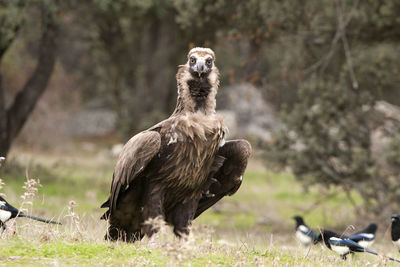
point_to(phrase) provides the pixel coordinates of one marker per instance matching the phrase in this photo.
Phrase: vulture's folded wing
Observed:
(229, 176)
(135, 156)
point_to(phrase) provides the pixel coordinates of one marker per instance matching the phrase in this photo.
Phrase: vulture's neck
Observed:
(196, 95)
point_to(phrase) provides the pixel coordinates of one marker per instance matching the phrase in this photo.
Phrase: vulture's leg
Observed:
(229, 176)
(153, 208)
(182, 216)
(126, 220)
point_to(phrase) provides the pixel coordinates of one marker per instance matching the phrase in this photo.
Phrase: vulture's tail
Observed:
(106, 215)
(105, 204)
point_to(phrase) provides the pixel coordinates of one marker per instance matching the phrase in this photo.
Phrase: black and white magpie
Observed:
(365, 237)
(8, 212)
(303, 233)
(396, 230)
(342, 245)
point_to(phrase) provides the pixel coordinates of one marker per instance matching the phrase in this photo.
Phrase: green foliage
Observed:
(330, 133)
(333, 124)
(379, 71)
(11, 19)
(329, 141)
(132, 39)
(127, 52)
(13, 15)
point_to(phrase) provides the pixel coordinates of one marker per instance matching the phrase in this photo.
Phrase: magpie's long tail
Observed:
(390, 258)
(37, 218)
(370, 251)
(387, 257)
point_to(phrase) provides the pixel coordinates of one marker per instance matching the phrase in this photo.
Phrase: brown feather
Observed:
(135, 156)
(167, 169)
(229, 176)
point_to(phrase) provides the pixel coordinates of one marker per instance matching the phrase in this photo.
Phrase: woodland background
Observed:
(313, 84)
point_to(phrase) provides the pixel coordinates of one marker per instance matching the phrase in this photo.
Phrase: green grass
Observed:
(251, 228)
(67, 252)
(63, 252)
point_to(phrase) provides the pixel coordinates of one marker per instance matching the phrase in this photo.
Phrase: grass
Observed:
(18, 251)
(251, 228)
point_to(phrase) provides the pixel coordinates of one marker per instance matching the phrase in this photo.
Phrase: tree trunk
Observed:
(13, 119)
(158, 66)
(4, 144)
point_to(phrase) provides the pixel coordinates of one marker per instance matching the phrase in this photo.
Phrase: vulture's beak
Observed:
(200, 67)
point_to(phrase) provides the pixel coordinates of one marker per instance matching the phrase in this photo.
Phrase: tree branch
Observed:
(340, 31)
(346, 46)
(28, 96)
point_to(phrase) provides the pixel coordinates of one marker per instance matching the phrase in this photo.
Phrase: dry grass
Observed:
(38, 244)
(253, 228)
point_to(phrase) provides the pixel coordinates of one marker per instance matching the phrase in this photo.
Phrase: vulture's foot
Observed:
(118, 234)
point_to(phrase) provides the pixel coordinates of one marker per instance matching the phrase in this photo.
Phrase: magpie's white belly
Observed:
(367, 235)
(305, 239)
(4, 215)
(365, 243)
(341, 250)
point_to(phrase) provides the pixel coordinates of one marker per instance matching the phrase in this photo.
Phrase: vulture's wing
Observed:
(229, 175)
(135, 156)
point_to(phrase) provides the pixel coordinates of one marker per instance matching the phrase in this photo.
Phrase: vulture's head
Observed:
(198, 81)
(200, 62)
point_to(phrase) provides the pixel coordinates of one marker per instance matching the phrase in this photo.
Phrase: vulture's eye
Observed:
(192, 60)
(209, 61)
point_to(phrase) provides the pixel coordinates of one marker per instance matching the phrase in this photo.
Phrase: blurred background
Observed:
(314, 85)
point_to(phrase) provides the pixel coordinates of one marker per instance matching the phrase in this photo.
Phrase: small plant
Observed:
(31, 189)
(76, 230)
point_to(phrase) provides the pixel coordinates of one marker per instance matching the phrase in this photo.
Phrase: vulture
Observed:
(179, 167)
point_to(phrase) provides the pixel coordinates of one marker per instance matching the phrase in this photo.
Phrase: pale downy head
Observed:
(198, 82)
(201, 61)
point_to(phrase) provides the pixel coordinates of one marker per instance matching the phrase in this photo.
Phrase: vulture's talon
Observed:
(208, 194)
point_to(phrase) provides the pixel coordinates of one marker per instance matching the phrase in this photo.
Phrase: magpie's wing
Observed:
(370, 229)
(4, 205)
(135, 156)
(307, 231)
(362, 231)
(313, 235)
(353, 246)
(362, 236)
(235, 154)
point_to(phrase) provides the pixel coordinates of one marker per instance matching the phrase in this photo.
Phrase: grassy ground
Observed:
(253, 227)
